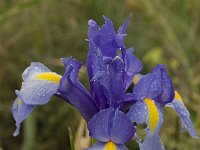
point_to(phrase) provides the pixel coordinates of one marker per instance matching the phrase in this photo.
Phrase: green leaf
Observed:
(71, 139)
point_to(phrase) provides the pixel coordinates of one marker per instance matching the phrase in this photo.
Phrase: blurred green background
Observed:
(161, 31)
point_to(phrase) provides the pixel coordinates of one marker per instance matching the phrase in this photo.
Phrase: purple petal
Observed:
(37, 92)
(20, 112)
(74, 91)
(121, 147)
(95, 61)
(112, 79)
(70, 63)
(149, 86)
(93, 29)
(167, 87)
(121, 33)
(102, 70)
(133, 66)
(39, 85)
(100, 124)
(101, 146)
(138, 113)
(122, 29)
(152, 139)
(105, 38)
(185, 117)
(110, 125)
(127, 102)
(100, 94)
(122, 129)
(97, 146)
(96, 64)
(34, 68)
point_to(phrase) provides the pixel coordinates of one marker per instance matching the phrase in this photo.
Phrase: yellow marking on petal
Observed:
(178, 97)
(135, 79)
(153, 113)
(50, 76)
(110, 146)
(19, 102)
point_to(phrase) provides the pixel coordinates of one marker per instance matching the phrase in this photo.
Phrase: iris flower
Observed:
(152, 92)
(109, 75)
(111, 113)
(39, 85)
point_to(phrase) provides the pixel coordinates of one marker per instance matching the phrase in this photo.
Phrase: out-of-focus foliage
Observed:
(161, 31)
(71, 138)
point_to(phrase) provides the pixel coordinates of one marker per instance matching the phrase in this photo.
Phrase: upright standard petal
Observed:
(100, 94)
(184, 115)
(98, 70)
(132, 66)
(111, 125)
(106, 38)
(121, 33)
(167, 87)
(74, 91)
(112, 79)
(95, 62)
(122, 30)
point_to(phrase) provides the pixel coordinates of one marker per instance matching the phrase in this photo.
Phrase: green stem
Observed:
(29, 134)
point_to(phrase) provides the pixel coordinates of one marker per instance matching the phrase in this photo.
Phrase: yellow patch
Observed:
(50, 76)
(135, 79)
(153, 113)
(110, 146)
(19, 102)
(178, 97)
